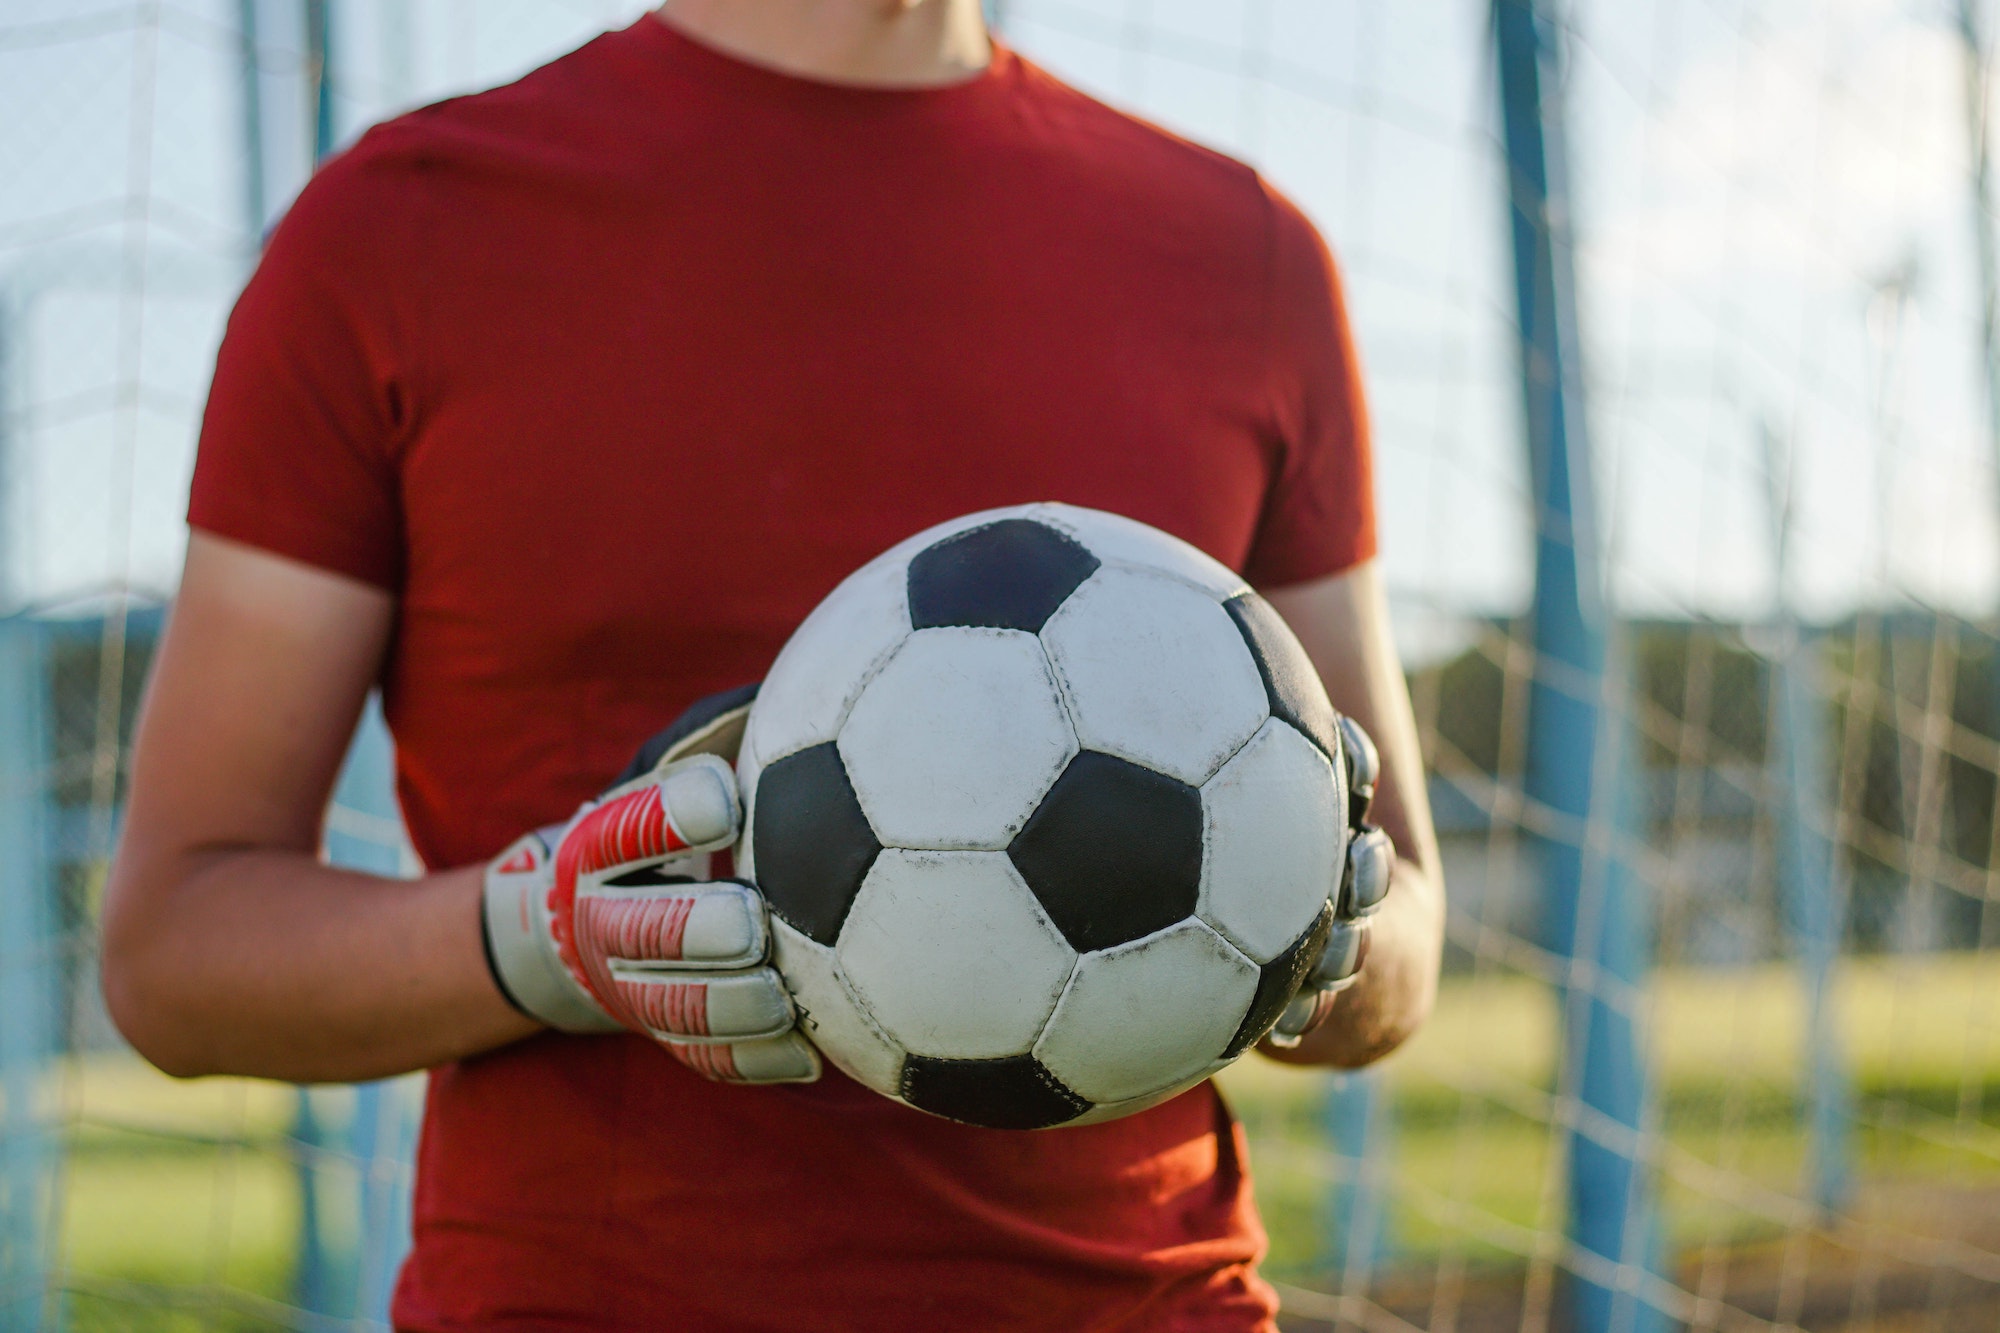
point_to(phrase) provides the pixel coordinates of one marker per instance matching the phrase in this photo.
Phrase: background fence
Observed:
(1679, 324)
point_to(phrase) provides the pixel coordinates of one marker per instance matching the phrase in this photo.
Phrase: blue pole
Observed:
(313, 1279)
(288, 125)
(1359, 1132)
(1809, 886)
(31, 981)
(1594, 911)
(319, 53)
(325, 1285)
(1814, 912)
(379, 1135)
(364, 832)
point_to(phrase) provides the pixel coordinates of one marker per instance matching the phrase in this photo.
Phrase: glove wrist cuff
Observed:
(520, 951)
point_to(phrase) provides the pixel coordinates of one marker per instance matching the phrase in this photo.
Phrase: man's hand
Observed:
(609, 922)
(1343, 622)
(1366, 872)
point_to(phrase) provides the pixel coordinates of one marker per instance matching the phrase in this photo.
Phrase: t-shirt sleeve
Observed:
(312, 390)
(1319, 514)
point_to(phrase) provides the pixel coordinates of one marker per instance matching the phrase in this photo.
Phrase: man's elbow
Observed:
(143, 1016)
(136, 1012)
(139, 983)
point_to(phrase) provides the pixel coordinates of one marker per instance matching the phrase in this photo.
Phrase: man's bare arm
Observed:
(228, 947)
(1343, 622)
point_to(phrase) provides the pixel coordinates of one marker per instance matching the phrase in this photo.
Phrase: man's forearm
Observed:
(267, 963)
(1397, 986)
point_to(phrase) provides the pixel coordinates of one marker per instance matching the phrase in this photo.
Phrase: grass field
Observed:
(1470, 1145)
(190, 1189)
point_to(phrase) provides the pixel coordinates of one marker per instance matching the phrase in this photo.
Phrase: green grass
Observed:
(167, 1240)
(1470, 1162)
(181, 1210)
(180, 1200)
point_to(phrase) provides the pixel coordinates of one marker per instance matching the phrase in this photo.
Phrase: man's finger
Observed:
(1307, 1011)
(1364, 765)
(644, 917)
(1340, 962)
(689, 806)
(786, 1059)
(699, 1009)
(699, 794)
(1371, 864)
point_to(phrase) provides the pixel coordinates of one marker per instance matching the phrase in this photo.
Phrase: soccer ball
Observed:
(1048, 806)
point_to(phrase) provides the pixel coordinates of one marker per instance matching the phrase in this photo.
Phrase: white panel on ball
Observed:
(1133, 1105)
(1148, 1015)
(952, 955)
(1274, 821)
(1114, 538)
(828, 660)
(829, 1016)
(1155, 672)
(954, 742)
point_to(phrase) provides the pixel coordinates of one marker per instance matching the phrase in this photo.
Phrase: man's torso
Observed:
(679, 343)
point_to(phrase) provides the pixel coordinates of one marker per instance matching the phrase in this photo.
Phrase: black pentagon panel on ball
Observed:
(1279, 981)
(1012, 574)
(1113, 852)
(812, 843)
(1014, 1092)
(1293, 686)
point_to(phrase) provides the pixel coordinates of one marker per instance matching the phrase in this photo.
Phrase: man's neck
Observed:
(869, 43)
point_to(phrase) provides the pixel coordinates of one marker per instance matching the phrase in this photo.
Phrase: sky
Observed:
(1772, 203)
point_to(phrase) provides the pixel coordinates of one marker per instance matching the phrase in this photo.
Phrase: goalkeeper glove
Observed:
(1365, 874)
(609, 922)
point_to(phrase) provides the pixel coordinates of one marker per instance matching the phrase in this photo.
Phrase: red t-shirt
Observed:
(609, 376)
